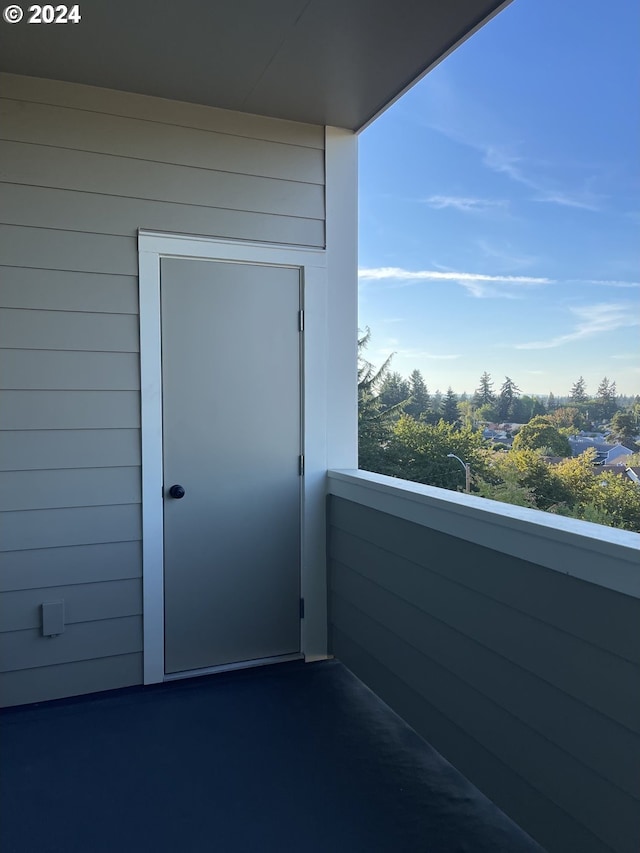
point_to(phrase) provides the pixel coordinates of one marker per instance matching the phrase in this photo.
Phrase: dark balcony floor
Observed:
(286, 758)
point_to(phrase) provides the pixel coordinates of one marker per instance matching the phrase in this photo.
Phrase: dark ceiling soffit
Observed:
(455, 43)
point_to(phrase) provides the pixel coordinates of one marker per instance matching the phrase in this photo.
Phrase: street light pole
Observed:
(467, 472)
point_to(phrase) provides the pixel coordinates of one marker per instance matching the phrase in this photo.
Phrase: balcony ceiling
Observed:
(335, 62)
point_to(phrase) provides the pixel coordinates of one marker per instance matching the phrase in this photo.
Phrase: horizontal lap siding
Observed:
(82, 169)
(512, 657)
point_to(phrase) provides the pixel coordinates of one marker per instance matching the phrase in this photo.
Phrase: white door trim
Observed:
(152, 246)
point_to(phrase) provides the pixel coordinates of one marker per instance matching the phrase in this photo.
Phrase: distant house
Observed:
(494, 434)
(580, 443)
(605, 453)
(596, 437)
(615, 451)
(622, 470)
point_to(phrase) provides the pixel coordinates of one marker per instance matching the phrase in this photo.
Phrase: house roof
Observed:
(333, 62)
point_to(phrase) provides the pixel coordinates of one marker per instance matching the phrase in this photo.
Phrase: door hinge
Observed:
(301, 465)
(302, 608)
(301, 320)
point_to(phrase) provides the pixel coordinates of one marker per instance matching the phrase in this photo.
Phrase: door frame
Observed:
(312, 264)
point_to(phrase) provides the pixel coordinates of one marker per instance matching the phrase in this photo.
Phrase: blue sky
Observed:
(500, 206)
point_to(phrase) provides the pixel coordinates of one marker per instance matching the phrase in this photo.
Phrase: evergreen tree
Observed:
(450, 412)
(374, 424)
(552, 403)
(508, 394)
(484, 393)
(624, 428)
(420, 401)
(579, 392)
(606, 396)
(394, 390)
(436, 407)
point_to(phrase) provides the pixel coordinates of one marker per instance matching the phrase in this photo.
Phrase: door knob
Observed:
(176, 492)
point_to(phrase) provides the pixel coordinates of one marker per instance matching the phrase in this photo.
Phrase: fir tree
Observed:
(579, 392)
(484, 393)
(450, 412)
(508, 394)
(420, 401)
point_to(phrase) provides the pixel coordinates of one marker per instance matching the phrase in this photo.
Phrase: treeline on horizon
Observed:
(404, 431)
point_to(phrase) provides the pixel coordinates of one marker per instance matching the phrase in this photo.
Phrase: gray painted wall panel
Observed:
(82, 603)
(404, 601)
(556, 830)
(69, 409)
(60, 168)
(70, 679)
(79, 564)
(84, 170)
(585, 610)
(117, 103)
(600, 679)
(60, 290)
(163, 143)
(52, 528)
(63, 250)
(82, 641)
(609, 813)
(42, 370)
(74, 448)
(615, 753)
(69, 487)
(68, 330)
(42, 207)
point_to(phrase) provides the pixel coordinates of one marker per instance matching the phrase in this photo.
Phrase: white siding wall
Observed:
(81, 170)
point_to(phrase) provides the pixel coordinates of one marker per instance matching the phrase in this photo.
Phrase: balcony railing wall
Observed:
(476, 622)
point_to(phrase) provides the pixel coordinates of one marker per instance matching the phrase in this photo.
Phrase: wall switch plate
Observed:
(52, 618)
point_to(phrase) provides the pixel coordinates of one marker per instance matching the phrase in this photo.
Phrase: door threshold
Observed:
(230, 667)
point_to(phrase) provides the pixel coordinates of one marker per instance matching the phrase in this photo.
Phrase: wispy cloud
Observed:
(478, 284)
(603, 282)
(384, 352)
(591, 320)
(506, 255)
(464, 203)
(501, 161)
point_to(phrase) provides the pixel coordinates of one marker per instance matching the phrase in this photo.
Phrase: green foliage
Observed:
(540, 433)
(488, 412)
(507, 490)
(569, 417)
(624, 427)
(468, 417)
(374, 423)
(619, 500)
(418, 452)
(605, 498)
(527, 470)
(394, 391)
(402, 434)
